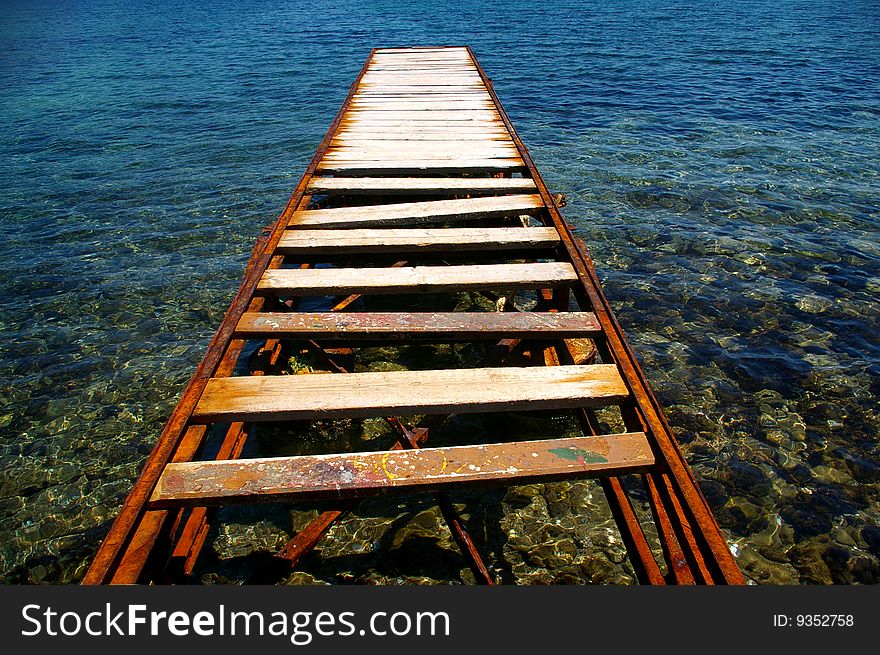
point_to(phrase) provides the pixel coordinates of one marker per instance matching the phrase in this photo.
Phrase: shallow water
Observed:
(720, 162)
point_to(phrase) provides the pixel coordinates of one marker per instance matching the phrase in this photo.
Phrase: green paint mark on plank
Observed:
(573, 454)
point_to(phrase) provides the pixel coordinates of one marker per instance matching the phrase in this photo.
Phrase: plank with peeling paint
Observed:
(357, 475)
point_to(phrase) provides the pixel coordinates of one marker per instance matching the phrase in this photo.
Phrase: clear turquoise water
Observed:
(720, 160)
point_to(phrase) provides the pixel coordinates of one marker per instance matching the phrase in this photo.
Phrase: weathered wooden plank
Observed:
(402, 59)
(420, 185)
(455, 99)
(351, 137)
(421, 78)
(416, 279)
(470, 116)
(418, 67)
(434, 56)
(435, 51)
(419, 49)
(444, 55)
(376, 122)
(429, 211)
(419, 150)
(352, 155)
(460, 96)
(357, 475)
(416, 126)
(420, 105)
(407, 63)
(449, 86)
(421, 119)
(415, 165)
(415, 240)
(449, 95)
(421, 90)
(358, 395)
(428, 68)
(427, 325)
(475, 143)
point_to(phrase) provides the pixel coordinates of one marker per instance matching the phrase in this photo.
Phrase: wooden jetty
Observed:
(420, 189)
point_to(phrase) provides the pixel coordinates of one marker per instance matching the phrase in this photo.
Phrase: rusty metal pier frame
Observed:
(164, 522)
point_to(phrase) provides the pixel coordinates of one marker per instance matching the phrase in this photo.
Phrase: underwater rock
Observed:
(871, 536)
(813, 304)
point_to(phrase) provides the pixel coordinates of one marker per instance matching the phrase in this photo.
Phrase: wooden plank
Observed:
(440, 58)
(452, 145)
(416, 77)
(418, 49)
(420, 66)
(448, 86)
(419, 149)
(435, 51)
(416, 279)
(413, 96)
(420, 185)
(481, 101)
(415, 54)
(406, 326)
(462, 63)
(417, 125)
(419, 121)
(426, 70)
(420, 89)
(429, 211)
(429, 80)
(358, 395)
(353, 155)
(415, 240)
(351, 137)
(416, 165)
(471, 115)
(422, 56)
(450, 94)
(358, 475)
(420, 105)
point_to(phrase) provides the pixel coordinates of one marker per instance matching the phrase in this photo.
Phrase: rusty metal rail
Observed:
(420, 186)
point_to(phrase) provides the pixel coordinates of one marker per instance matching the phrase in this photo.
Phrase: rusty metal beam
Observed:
(640, 556)
(450, 515)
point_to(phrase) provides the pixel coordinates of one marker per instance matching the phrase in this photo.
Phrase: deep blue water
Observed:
(720, 160)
